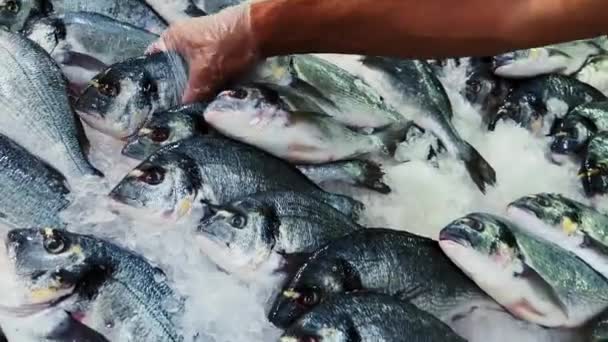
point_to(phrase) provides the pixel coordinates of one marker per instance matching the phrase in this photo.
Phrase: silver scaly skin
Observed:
(368, 317)
(394, 262)
(572, 225)
(253, 231)
(32, 193)
(564, 58)
(214, 170)
(594, 167)
(36, 109)
(532, 278)
(572, 133)
(116, 291)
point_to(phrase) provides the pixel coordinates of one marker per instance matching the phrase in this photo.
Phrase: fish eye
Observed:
(110, 90)
(239, 93)
(308, 298)
(149, 87)
(477, 226)
(152, 176)
(54, 244)
(474, 86)
(12, 6)
(238, 221)
(159, 134)
(543, 201)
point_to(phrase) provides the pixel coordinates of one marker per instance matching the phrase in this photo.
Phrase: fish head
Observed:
(49, 263)
(525, 107)
(570, 134)
(14, 14)
(119, 100)
(316, 281)
(239, 108)
(163, 128)
(165, 184)
(594, 176)
(47, 32)
(322, 326)
(479, 243)
(239, 235)
(485, 90)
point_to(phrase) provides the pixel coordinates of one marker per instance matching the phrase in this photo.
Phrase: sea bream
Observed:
(110, 289)
(533, 279)
(393, 262)
(368, 317)
(564, 58)
(121, 98)
(312, 84)
(256, 115)
(85, 43)
(533, 103)
(214, 170)
(571, 134)
(416, 84)
(36, 110)
(594, 167)
(572, 225)
(32, 193)
(263, 231)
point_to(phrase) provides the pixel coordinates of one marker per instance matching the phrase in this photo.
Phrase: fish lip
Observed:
(115, 196)
(502, 60)
(457, 236)
(27, 310)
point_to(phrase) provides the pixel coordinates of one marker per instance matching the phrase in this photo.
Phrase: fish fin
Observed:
(344, 204)
(351, 280)
(540, 283)
(73, 330)
(307, 88)
(72, 58)
(194, 11)
(479, 169)
(293, 262)
(372, 177)
(393, 135)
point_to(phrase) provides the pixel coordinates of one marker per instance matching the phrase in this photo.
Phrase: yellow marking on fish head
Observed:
(588, 173)
(291, 294)
(145, 131)
(76, 250)
(44, 295)
(535, 53)
(184, 206)
(94, 83)
(278, 72)
(568, 226)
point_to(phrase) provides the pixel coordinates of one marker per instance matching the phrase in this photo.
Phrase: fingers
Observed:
(198, 86)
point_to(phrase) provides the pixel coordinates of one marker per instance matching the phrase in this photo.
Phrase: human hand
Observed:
(218, 48)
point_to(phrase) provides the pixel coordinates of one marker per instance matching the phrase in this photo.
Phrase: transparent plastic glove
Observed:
(218, 48)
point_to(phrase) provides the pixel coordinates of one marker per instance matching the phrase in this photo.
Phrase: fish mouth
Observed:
(25, 310)
(456, 236)
(116, 196)
(502, 60)
(594, 179)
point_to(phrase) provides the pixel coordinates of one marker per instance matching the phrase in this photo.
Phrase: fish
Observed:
(415, 82)
(533, 101)
(310, 83)
(599, 329)
(214, 170)
(485, 90)
(85, 43)
(594, 167)
(533, 279)
(32, 192)
(368, 317)
(572, 225)
(256, 115)
(36, 110)
(563, 58)
(393, 262)
(214, 6)
(264, 231)
(594, 73)
(364, 174)
(112, 289)
(571, 134)
(120, 99)
(176, 10)
(15, 14)
(166, 127)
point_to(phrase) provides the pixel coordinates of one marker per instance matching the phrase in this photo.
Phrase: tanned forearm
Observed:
(422, 28)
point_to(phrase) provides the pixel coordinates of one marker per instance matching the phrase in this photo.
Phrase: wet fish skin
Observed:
(14, 15)
(572, 133)
(528, 101)
(213, 6)
(85, 43)
(111, 284)
(35, 104)
(564, 58)
(570, 224)
(312, 84)
(265, 228)
(166, 127)
(382, 260)
(368, 317)
(215, 170)
(256, 115)
(416, 82)
(485, 90)
(32, 192)
(359, 173)
(120, 99)
(594, 167)
(176, 10)
(519, 271)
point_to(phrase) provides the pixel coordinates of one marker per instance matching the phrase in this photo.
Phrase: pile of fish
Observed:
(246, 178)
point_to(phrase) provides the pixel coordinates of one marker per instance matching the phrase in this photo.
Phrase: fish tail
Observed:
(479, 169)
(393, 135)
(346, 205)
(370, 175)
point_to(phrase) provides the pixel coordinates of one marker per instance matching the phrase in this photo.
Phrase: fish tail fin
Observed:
(393, 135)
(479, 169)
(368, 174)
(346, 205)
